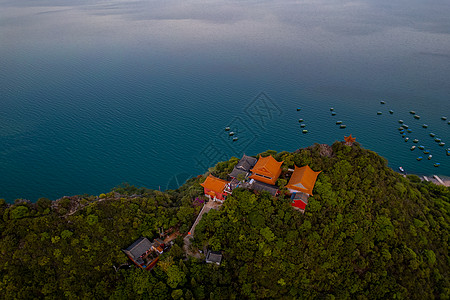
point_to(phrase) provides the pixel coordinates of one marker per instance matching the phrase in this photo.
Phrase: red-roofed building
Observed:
(301, 186)
(267, 169)
(215, 188)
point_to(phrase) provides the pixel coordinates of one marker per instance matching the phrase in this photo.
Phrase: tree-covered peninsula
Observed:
(366, 233)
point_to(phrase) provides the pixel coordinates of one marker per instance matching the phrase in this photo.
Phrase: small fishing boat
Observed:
(415, 141)
(426, 152)
(416, 117)
(406, 139)
(235, 139)
(421, 147)
(338, 122)
(333, 113)
(419, 158)
(425, 126)
(382, 102)
(301, 120)
(343, 126)
(448, 152)
(299, 109)
(302, 125)
(442, 144)
(405, 126)
(413, 147)
(432, 135)
(391, 111)
(305, 131)
(331, 108)
(444, 118)
(400, 121)
(403, 136)
(430, 157)
(227, 128)
(448, 122)
(401, 128)
(231, 133)
(401, 169)
(402, 131)
(409, 130)
(437, 165)
(437, 140)
(412, 112)
(379, 112)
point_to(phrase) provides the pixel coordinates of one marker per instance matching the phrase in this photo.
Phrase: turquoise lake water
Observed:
(94, 94)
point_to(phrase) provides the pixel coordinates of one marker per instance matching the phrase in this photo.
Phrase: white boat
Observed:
(401, 169)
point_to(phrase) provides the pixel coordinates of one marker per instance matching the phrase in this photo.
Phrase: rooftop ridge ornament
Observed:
(349, 140)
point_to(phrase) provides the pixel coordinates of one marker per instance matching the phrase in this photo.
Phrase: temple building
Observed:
(301, 186)
(266, 170)
(214, 188)
(349, 140)
(243, 167)
(145, 254)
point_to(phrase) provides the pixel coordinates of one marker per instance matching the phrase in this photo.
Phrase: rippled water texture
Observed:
(96, 93)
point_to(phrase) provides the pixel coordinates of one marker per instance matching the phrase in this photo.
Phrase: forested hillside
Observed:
(367, 233)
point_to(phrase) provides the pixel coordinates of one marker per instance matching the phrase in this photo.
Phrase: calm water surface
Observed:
(96, 93)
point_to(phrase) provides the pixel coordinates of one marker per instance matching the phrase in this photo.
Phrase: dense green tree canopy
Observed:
(367, 233)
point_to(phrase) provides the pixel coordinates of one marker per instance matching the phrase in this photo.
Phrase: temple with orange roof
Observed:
(267, 169)
(349, 140)
(214, 188)
(301, 185)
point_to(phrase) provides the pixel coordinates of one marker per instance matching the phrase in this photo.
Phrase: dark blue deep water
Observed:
(97, 93)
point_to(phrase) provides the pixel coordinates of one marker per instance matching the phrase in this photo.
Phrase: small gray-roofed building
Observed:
(137, 249)
(243, 166)
(261, 186)
(214, 257)
(300, 196)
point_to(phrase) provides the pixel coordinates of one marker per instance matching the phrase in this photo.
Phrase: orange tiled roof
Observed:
(303, 179)
(215, 184)
(267, 166)
(349, 139)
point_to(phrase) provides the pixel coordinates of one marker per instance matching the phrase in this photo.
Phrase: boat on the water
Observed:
(426, 152)
(425, 126)
(379, 112)
(391, 111)
(448, 152)
(231, 133)
(421, 147)
(430, 156)
(444, 118)
(409, 130)
(299, 109)
(400, 121)
(338, 122)
(343, 126)
(406, 139)
(405, 126)
(415, 141)
(412, 112)
(301, 120)
(437, 165)
(302, 125)
(419, 158)
(235, 139)
(333, 113)
(401, 169)
(437, 140)
(413, 147)
(331, 108)
(382, 102)
(432, 134)
(416, 117)
(227, 128)
(305, 131)
(442, 144)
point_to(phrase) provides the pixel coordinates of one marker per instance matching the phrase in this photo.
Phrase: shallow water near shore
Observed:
(150, 109)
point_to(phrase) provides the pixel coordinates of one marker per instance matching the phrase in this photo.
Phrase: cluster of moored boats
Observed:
(302, 124)
(231, 134)
(404, 129)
